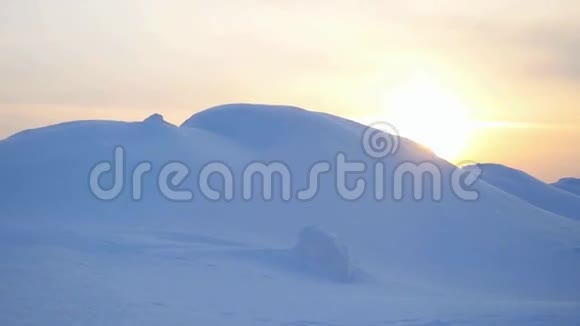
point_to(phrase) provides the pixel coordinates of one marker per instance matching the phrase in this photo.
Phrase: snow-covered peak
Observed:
(258, 125)
(155, 118)
(246, 111)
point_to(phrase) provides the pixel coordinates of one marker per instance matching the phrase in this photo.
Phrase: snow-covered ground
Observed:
(67, 258)
(160, 274)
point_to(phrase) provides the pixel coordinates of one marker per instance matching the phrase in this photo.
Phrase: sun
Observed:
(425, 111)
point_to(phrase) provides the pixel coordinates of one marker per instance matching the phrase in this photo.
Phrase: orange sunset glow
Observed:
(489, 87)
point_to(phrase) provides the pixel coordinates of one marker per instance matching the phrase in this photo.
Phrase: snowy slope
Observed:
(532, 190)
(68, 258)
(569, 184)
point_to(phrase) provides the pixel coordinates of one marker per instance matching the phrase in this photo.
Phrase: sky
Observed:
(482, 81)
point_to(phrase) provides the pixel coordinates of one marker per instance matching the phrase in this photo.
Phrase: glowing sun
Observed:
(428, 113)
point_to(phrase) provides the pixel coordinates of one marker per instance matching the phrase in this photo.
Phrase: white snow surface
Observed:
(569, 184)
(536, 192)
(67, 258)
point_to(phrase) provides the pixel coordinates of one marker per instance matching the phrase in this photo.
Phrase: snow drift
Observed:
(569, 184)
(532, 190)
(323, 253)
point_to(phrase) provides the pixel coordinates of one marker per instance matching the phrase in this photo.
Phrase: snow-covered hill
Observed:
(532, 190)
(67, 257)
(569, 184)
